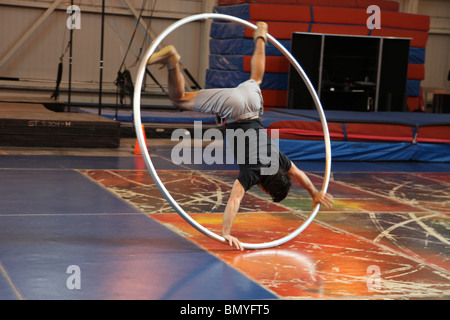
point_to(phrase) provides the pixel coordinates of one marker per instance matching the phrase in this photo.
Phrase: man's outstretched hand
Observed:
(233, 242)
(324, 199)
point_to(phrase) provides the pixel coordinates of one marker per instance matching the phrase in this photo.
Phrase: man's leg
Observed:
(258, 62)
(177, 94)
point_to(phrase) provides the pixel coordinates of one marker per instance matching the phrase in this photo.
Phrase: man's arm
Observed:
(234, 201)
(317, 196)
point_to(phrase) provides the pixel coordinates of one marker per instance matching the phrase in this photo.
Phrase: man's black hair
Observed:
(276, 185)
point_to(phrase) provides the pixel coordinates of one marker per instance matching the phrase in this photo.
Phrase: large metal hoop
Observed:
(142, 143)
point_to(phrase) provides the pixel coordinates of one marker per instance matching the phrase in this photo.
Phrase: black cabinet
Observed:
(350, 72)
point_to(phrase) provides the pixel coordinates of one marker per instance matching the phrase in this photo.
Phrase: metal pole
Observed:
(70, 65)
(101, 59)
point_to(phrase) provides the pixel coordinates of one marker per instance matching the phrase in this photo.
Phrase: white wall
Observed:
(36, 61)
(437, 62)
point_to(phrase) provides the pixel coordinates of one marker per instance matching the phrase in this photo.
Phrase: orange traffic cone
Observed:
(137, 149)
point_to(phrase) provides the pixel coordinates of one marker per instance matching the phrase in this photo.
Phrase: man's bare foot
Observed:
(261, 32)
(167, 56)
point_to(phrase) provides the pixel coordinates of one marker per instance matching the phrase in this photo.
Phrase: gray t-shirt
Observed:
(231, 104)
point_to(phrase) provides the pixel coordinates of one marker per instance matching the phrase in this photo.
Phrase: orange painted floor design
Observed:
(386, 237)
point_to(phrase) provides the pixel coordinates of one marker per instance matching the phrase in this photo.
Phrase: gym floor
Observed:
(91, 224)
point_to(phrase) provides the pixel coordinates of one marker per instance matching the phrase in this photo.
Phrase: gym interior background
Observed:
(81, 218)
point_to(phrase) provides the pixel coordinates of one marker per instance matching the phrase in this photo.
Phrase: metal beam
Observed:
(141, 21)
(91, 8)
(28, 33)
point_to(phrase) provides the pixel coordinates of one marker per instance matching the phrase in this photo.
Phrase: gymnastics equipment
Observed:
(141, 139)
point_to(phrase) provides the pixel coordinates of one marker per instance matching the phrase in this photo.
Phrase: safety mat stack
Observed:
(362, 136)
(231, 45)
(33, 125)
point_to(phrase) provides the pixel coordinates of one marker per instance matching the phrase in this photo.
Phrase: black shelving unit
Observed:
(354, 73)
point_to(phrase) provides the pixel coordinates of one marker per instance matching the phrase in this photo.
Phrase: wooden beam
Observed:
(28, 33)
